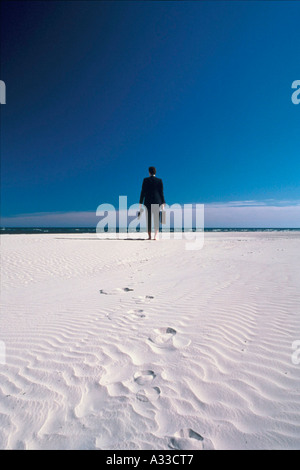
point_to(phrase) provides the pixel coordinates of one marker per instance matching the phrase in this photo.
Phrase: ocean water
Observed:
(37, 230)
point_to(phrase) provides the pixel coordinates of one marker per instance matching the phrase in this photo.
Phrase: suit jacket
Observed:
(152, 191)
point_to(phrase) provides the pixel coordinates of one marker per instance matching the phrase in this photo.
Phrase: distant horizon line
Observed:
(42, 227)
(234, 214)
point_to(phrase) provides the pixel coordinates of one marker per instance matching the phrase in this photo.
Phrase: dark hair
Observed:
(152, 170)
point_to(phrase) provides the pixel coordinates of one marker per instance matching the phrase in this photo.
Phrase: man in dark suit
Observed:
(152, 196)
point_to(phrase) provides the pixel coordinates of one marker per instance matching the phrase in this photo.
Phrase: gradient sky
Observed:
(98, 91)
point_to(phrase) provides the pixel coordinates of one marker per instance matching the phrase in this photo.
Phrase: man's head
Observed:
(152, 171)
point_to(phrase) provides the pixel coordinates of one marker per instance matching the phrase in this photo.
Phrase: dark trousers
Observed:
(152, 213)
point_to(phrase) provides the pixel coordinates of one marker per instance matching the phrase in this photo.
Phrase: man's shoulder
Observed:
(155, 178)
(150, 178)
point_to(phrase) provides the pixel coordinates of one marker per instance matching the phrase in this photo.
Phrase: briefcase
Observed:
(162, 217)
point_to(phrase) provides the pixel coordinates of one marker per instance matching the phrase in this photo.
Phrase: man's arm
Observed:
(143, 193)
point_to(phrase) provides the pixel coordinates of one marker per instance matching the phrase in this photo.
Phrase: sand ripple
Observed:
(104, 350)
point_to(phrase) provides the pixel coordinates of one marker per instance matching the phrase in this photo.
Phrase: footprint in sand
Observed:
(117, 290)
(180, 342)
(137, 313)
(148, 394)
(186, 439)
(162, 337)
(143, 298)
(165, 338)
(144, 377)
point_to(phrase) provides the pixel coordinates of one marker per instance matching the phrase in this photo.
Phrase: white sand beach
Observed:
(129, 344)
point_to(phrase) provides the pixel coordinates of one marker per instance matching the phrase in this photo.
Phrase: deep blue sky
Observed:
(98, 91)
